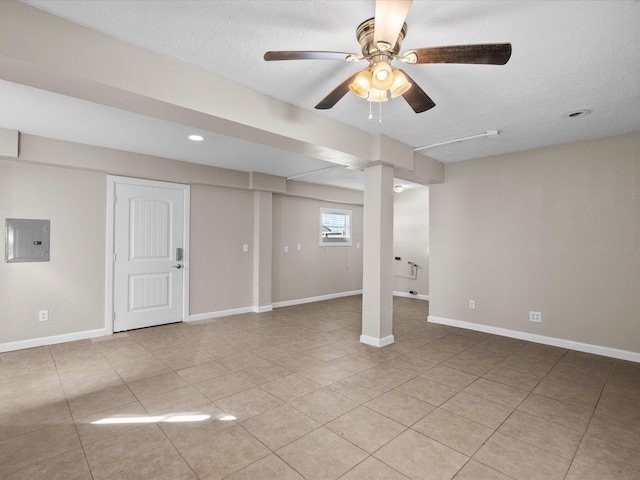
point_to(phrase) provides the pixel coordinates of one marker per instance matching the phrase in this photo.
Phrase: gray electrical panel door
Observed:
(27, 240)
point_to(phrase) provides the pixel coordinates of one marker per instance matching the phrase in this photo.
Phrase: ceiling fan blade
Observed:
(336, 94)
(487, 54)
(390, 17)
(417, 99)
(309, 55)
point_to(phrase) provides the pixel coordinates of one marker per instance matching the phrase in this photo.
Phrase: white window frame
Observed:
(326, 241)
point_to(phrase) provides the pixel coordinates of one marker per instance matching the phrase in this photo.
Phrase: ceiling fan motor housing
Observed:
(365, 34)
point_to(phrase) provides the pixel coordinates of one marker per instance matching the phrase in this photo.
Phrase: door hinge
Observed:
(113, 316)
(114, 256)
(115, 198)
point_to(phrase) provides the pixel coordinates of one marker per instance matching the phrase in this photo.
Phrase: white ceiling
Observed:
(567, 56)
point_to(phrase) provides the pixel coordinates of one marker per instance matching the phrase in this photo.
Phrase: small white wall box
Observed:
(27, 240)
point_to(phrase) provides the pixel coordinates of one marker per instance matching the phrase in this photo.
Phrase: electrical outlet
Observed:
(43, 315)
(472, 304)
(535, 317)
(286, 249)
(299, 247)
(245, 247)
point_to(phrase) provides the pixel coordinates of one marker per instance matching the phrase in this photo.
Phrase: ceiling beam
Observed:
(50, 53)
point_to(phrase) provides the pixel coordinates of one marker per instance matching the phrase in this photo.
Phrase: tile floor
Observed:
(311, 402)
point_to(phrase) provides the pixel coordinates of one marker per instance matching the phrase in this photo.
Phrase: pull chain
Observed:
(379, 114)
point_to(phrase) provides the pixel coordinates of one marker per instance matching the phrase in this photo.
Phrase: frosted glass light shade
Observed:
(377, 95)
(400, 84)
(361, 84)
(382, 76)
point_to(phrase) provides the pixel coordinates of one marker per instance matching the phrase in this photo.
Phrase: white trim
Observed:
(299, 301)
(409, 295)
(287, 303)
(377, 342)
(39, 342)
(108, 288)
(263, 309)
(112, 180)
(225, 313)
(534, 337)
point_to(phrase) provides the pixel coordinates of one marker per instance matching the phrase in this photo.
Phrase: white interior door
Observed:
(149, 262)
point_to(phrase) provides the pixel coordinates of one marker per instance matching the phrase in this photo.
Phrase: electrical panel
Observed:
(27, 240)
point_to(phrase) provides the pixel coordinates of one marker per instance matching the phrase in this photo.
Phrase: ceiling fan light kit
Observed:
(380, 39)
(382, 76)
(362, 84)
(376, 95)
(400, 84)
(368, 85)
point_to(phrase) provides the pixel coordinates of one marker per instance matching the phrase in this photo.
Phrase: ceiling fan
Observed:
(380, 40)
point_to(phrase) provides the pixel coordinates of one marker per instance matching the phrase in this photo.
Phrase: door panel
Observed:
(148, 280)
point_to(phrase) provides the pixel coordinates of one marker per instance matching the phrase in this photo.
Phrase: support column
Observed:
(262, 253)
(377, 283)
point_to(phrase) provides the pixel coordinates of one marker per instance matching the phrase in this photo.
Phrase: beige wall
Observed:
(555, 230)
(66, 183)
(71, 284)
(313, 270)
(221, 273)
(411, 240)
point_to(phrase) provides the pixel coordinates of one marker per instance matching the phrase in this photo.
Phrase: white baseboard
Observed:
(299, 301)
(39, 342)
(225, 313)
(288, 303)
(533, 337)
(409, 295)
(377, 342)
(262, 309)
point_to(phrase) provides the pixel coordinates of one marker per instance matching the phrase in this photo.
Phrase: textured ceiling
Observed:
(567, 56)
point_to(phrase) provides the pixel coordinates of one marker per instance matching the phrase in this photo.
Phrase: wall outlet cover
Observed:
(535, 317)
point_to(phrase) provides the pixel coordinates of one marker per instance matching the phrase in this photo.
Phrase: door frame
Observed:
(112, 181)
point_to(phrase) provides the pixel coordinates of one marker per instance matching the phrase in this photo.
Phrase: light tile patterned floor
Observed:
(311, 402)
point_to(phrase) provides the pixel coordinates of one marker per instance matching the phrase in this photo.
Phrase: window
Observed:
(335, 227)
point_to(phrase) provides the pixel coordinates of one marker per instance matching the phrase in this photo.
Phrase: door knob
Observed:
(177, 266)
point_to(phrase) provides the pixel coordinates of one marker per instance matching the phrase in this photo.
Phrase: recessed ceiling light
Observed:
(196, 138)
(578, 113)
(398, 188)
